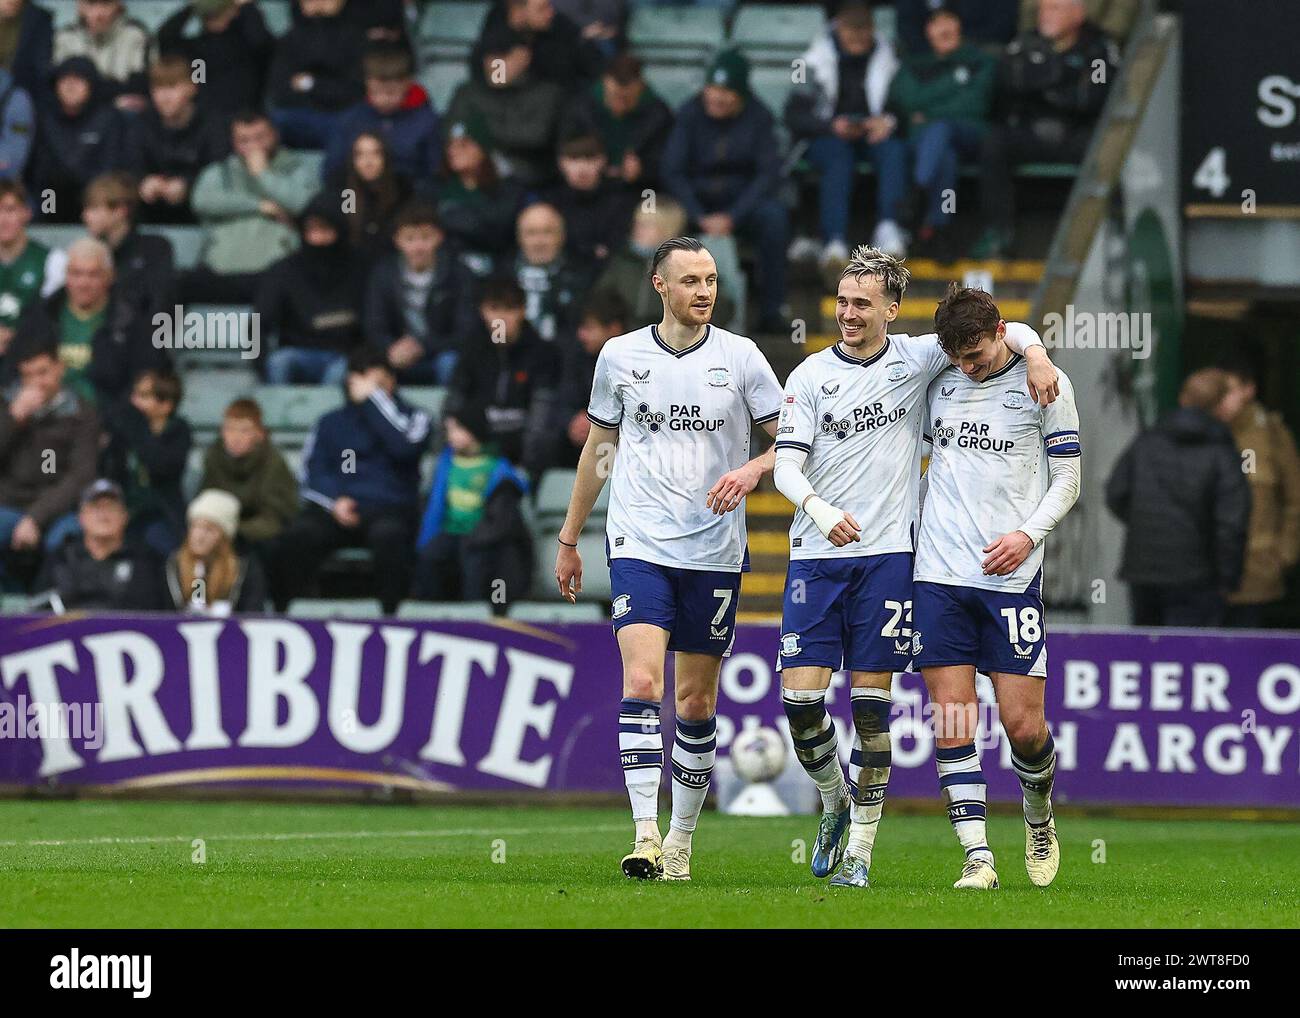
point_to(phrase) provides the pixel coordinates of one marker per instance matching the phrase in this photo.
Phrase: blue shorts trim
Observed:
(853, 613)
(697, 607)
(993, 630)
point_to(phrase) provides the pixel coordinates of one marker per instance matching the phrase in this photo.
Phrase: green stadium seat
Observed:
(441, 78)
(428, 398)
(64, 12)
(56, 235)
(217, 360)
(194, 469)
(208, 393)
(296, 408)
(675, 83)
(152, 13)
(555, 612)
(449, 30)
(776, 34)
(675, 34)
(323, 608)
(186, 241)
(772, 85)
(277, 15)
(553, 493)
(886, 22)
(445, 611)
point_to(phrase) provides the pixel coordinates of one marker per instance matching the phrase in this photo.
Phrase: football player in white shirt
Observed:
(1003, 473)
(674, 403)
(848, 456)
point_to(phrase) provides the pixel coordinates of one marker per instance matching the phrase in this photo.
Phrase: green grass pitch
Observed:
(133, 864)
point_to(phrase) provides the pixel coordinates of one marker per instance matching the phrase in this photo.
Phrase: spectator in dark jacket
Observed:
(984, 22)
(942, 97)
(1052, 84)
(397, 109)
(603, 316)
(82, 135)
(233, 45)
(723, 164)
(245, 463)
(1180, 492)
(116, 42)
(311, 301)
(474, 544)
(375, 21)
(101, 569)
(17, 127)
(513, 375)
(207, 574)
(630, 119)
(149, 445)
(840, 110)
(560, 52)
(419, 302)
(361, 479)
(144, 275)
(102, 340)
(520, 110)
(172, 140)
(315, 74)
(27, 45)
(597, 210)
(370, 190)
(603, 23)
(42, 421)
(553, 283)
(477, 207)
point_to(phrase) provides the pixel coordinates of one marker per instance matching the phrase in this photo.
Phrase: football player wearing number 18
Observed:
(1003, 473)
(849, 457)
(676, 402)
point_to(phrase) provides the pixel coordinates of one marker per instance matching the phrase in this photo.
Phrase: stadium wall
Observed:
(152, 703)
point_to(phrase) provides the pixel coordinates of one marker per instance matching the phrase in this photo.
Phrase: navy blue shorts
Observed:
(994, 630)
(853, 613)
(697, 607)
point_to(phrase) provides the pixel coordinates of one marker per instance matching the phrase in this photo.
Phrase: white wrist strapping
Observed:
(822, 513)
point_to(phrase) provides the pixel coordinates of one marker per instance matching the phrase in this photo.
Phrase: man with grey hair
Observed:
(848, 455)
(101, 340)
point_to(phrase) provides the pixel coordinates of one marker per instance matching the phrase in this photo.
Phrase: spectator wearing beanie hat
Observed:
(205, 574)
(476, 206)
(310, 301)
(473, 533)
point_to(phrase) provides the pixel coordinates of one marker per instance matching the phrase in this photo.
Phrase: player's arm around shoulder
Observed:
(1041, 374)
(594, 467)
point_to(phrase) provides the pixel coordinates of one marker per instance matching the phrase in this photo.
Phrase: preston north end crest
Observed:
(790, 645)
(621, 606)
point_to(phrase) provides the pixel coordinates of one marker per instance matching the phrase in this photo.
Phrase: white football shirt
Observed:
(861, 423)
(684, 420)
(988, 471)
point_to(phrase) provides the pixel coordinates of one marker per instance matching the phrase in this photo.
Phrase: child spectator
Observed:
(82, 136)
(552, 282)
(521, 111)
(101, 569)
(206, 575)
(370, 190)
(149, 445)
(474, 544)
(311, 302)
(27, 45)
(943, 99)
(397, 109)
(42, 418)
(596, 209)
(118, 45)
(477, 207)
(172, 141)
(375, 504)
(101, 339)
(419, 304)
(315, 74)
(28, 269)
(144, 274)
(243, 462)
(630, 119)
(249, 204)
(510, 372)
(232, 44)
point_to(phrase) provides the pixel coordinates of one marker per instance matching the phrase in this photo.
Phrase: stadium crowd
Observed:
(491, 247)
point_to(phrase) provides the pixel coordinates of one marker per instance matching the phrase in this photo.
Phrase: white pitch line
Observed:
(469, 832)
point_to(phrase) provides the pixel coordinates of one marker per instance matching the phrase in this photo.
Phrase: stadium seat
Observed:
(772, 85)
(428, 398)
(194, 468)
(776, 34)
(343, 608)
(64, 12)
(550, 612)
(187, 242)
(277, 15)
(441, 78)
(152, 13)
(553, 492)
(445, 611)
(208, 393)
(56, 235)
(216, 359)
(314, 158)
(675, 34)
(449, 30)
(675, 83)
(296, 408)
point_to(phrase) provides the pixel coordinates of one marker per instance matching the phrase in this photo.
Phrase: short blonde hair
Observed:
(874, 263)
